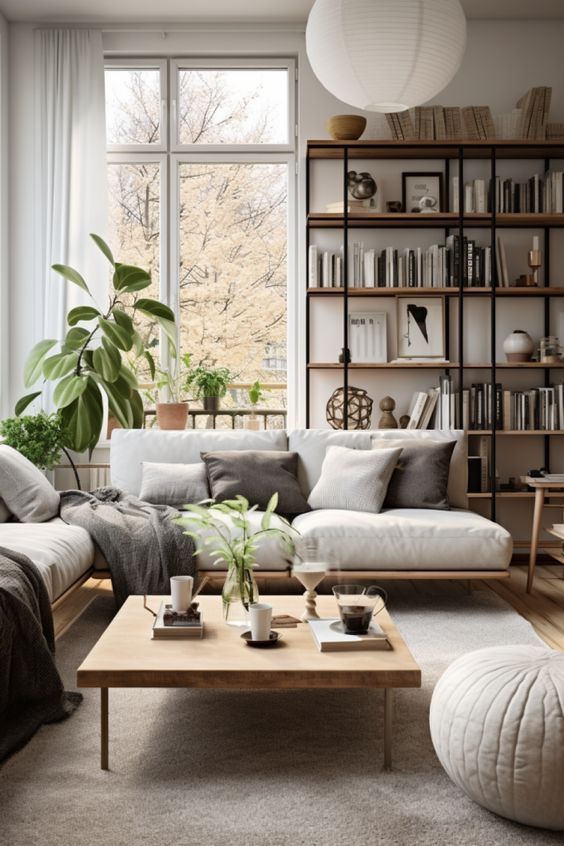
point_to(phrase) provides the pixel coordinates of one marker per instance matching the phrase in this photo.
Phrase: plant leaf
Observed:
(75, 339)
(129, 279)
(34, 365)
(69, 389)
(105, 365)
(119, 396)
(151, 362)
(101, 244)
(115, 334)
(128, 376)
(137, 410)
(154, 309)
(124, 320)
(23, 403)
(71, 275)
(79, 313)
(59, 365)
(82, 419)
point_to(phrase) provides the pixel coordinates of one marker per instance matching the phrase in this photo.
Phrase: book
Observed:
(313, 266)
(195, 629)
(416, 409)
(328, 636)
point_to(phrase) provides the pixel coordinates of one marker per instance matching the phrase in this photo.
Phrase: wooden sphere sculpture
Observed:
(359, 409)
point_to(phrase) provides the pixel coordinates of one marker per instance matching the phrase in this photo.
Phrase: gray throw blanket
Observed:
(31, 690)
(140, 542)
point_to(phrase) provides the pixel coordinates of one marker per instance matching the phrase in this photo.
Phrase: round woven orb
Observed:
(359, 409)
(497, 724)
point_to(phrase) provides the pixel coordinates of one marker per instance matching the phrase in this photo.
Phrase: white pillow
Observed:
(24, 489)
(353, 479)
(174, 484)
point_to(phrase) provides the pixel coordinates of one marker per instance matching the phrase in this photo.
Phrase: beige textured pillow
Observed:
(354, 479)
(174, 484)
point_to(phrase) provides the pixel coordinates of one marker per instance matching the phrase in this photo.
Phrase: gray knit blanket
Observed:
(140, 542)
(31, 689)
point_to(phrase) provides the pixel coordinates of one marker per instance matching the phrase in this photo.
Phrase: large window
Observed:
(201, 181)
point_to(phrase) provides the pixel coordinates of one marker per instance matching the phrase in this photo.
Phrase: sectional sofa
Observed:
(396, 543)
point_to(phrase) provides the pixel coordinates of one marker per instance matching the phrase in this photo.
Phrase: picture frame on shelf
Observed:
(422, 191)
(421, 328)
(368, 342)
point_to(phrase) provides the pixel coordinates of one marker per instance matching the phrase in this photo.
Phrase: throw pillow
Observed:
(256, 475)
(24, 489)
(354, 479)
(420, 479)
(174, 484)
(4, 512)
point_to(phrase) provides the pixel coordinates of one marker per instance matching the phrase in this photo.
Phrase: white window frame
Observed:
(145, 64)
(223, 63)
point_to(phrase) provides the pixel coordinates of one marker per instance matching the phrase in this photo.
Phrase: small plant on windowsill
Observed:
(170, 388)
(256, 394)
(40, 438)
(210, 384)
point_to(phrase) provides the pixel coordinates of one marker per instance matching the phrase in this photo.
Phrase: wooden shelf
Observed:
(515, 365)
(503, 495)
(390, 149)
(515, 432)
(387, 365)
(440, 220)
(477, 291)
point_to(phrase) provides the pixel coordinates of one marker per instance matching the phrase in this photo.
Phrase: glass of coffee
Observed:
(357, 605)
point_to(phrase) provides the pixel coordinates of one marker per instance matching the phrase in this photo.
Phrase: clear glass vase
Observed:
(240, 590)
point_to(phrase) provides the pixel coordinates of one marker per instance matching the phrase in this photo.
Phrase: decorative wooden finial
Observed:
(387, 420)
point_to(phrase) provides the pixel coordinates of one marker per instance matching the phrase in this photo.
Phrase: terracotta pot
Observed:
(172, 415)
(112, 424)
(346, 127)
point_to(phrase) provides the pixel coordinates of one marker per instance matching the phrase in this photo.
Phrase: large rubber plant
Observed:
(97, 355)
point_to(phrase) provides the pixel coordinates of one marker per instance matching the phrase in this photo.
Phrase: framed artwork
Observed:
(422, 192)
(368, 337)
(421, 327)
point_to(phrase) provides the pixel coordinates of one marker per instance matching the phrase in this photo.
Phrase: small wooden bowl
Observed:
(346, 127)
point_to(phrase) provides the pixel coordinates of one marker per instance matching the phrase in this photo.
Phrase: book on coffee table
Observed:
(190, 629)
(329, 636)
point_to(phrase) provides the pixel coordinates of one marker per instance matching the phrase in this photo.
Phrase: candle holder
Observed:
(535, 261)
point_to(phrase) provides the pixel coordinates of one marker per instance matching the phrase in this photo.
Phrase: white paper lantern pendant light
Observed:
(385, 55)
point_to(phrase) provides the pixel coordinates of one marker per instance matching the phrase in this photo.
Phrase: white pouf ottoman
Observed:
(497, 724)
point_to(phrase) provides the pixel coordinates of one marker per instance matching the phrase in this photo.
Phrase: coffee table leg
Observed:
(388, 707)
(104, 729)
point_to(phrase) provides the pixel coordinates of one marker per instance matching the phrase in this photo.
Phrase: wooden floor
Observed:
(544, 608)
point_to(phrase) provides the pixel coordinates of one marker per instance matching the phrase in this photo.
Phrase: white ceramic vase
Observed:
(518, 346)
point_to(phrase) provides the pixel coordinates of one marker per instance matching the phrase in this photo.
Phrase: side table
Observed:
(542, 488)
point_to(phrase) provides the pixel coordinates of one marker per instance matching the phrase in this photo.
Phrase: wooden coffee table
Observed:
(126, 656)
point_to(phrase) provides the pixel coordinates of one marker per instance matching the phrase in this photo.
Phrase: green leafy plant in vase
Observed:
(256, 394)
(224, 530)
(210, 384)
(92, 359)
(40, 438)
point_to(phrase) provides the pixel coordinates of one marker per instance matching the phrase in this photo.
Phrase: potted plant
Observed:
(173, 413)
(40, 438)
(256, 394)
(210, 384)
(224, 529)
(91, 360)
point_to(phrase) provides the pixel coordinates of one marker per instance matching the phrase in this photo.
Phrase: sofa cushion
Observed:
(129, 448)
(24, 489)
(354, 479)
(256, 475)
(174, 484)
(269, 556)
(458, 475)
(62, 553)
(407, 539)
(311, 446)
(420, 479)
(4, 512)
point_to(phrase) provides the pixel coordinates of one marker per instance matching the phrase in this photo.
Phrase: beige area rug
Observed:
(260, 768)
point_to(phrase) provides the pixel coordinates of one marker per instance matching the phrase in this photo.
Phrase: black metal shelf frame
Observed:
(457, 150)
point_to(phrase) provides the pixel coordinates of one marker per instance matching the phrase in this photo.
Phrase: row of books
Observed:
(535, 108)
(539, 409)
(540, 194)
(430, 123)
(436, 266)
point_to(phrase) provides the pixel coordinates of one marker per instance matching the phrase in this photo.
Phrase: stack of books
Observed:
(540, 194)
(535, 108)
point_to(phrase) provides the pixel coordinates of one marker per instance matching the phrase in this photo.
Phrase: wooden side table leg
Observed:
(388, 708)
(104, 729)
(537, 517)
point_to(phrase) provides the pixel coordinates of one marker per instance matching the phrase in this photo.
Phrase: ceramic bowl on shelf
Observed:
(346, 127)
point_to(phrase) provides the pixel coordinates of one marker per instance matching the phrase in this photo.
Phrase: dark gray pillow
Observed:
(256, 475)
(420, 479)
(174, 484)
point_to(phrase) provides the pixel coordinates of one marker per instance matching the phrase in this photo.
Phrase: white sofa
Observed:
(393, 544)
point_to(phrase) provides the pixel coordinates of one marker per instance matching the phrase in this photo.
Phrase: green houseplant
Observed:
(172, 413)
(225, 531)
(91, 360)
(39, 437)
(256, 394)
(210, 384)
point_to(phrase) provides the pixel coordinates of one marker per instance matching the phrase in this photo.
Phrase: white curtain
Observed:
(71, 174)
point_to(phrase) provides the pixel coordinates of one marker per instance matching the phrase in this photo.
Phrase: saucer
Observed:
(273, 639)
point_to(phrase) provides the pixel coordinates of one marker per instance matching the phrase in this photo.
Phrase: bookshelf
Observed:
(457, 157)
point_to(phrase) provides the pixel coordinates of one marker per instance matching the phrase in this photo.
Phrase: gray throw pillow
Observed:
(256, 475)
(25, 490)
(354, 479)
(174, 484)
(420, 479)
(4, 512)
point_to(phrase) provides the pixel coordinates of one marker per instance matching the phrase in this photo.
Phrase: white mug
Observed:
(181, 593)
(261, 618)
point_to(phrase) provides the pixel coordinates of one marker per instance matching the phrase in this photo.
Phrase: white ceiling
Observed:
(243, 11)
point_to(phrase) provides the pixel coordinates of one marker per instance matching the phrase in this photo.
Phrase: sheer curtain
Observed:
(71, 172)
